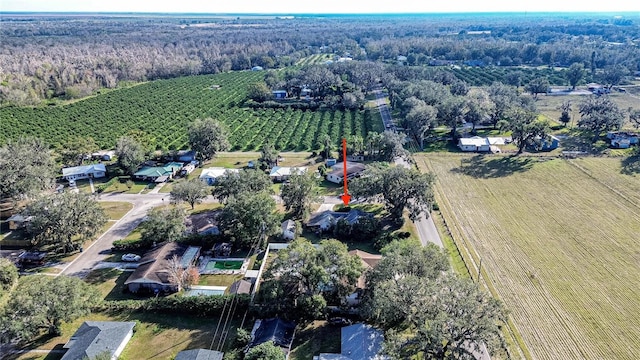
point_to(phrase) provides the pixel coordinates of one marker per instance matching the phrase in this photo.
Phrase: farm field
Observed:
(558, 242)
(164, 108)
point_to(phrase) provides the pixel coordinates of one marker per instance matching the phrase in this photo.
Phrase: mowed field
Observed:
(560, 243)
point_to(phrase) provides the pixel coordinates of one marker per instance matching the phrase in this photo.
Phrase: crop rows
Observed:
(565, 264)
(484, 76)
(164, 108)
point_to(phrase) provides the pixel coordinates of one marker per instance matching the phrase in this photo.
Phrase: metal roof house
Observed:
(95, 338)
(358, 342)
(84, 172)
(476, 143)
(210, 175)
(283, 173)
(158, 174)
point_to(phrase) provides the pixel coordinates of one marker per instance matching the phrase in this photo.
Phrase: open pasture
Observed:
(558, 241)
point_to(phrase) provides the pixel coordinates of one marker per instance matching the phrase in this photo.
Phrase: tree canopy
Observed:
(191, 191)
(247, 217)
(163, 224)
(65, 220)
(304, 278)
(539, 85)
(426, 308)
(44, 303)
(259, 92)
(299, 193)
(575, 73)
(399, 188)
(598, 114)
(233, 183)
(130, 154)
(526, 129)
(8, 275)
(77, 149)
(265, 351)
(26, 167)
(207, 137)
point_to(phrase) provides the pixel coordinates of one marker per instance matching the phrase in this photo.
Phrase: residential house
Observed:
(18, 221)
(279, 331)
(325, 220)
(358, 342)
(186, 156)
(549, 143)
(623, 139)
(336, 175)
(283, 173)
(210, 175)
(96, 338)
(199, 354)
(84, 172)
(369, 261)
(288, 230)
(28, 258)
(476, 143)
(187, 169)
(279, 94)
(153, 272)
(158, 174)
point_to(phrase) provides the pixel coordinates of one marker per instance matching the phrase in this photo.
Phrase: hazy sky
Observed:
(317, 6)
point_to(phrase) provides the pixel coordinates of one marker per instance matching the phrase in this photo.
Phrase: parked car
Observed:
(131, 257)
(339, 321)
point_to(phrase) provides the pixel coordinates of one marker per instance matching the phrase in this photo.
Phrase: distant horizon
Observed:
(326, 7)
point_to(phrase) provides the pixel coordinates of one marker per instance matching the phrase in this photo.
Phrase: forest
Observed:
(46, 59)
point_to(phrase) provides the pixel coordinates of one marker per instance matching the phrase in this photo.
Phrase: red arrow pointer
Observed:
(345, 197)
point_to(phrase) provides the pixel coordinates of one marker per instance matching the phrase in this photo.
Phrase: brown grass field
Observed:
(559, 245)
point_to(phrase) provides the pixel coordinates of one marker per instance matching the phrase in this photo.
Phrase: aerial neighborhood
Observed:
(349, 187)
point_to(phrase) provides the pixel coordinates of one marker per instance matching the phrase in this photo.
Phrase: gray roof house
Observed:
(152, 273)
(84, 172)
(358, 342)
(288, 229)
(277, 330)
(199, 354)
(95, 338)
(325, 220)
(354, 169)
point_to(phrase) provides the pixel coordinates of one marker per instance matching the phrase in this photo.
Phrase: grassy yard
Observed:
(558, 243)
(219, 280)
(318, 337)
(115, 210)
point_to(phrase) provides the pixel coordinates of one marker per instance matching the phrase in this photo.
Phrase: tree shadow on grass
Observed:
(484, 167)
(631, 165)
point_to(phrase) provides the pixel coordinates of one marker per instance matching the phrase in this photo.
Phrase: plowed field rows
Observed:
(560, 242)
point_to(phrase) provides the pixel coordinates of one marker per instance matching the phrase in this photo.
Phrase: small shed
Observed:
(289, 230)
(279, 94)
(257, 68)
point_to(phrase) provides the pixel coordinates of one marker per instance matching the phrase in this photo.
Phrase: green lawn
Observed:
(115, 210)
(219, 280)
(318, 337)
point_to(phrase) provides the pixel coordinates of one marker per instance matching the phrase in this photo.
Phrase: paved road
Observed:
(98, 251)
(142, 203)
(381, 101)
(427, 230)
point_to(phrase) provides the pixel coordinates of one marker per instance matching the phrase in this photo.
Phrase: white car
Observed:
(131, 257)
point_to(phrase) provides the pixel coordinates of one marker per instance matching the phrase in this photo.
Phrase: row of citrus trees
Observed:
(484, 76)
(164, 108)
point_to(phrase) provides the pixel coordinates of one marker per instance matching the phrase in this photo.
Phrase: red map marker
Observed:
(345, 196)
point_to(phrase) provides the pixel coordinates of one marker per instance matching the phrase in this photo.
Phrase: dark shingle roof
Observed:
(276, 330)
(154, 265)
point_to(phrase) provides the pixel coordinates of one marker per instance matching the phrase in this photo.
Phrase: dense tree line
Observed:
(49, 57)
